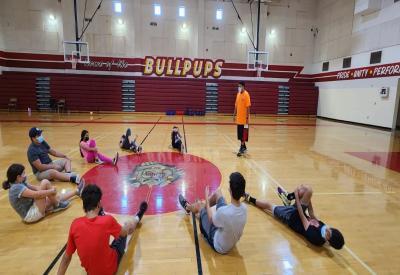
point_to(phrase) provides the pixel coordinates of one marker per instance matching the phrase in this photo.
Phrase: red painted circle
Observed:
(120, 196)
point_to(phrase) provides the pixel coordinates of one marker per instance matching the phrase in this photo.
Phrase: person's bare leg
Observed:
(265, 205)
(55, 175)
(305, 194)
(195, 207)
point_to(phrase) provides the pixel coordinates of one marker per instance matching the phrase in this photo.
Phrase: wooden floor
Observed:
(360, 198)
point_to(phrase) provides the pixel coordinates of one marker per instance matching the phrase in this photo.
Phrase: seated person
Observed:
(127, 143)
(90, 235)
(224, 227)
(42, 165)
(89, 151)
(176, 140)
(295, 216)
(33, 202)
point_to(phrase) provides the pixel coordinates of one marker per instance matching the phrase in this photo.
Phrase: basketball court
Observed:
(334, 130)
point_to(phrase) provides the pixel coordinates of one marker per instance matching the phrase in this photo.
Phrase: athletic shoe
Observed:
(184, 203)
(115, 160)
(98, 161)
(77, 179)
(80, 187)
(142, 209)
(283, 195)
(62, 205)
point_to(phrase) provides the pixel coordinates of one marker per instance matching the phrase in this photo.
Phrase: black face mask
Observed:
(86, 138)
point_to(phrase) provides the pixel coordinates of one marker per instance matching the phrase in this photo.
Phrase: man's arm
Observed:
(64, 264)
(57, 154)
(311, 211)
(303, 218)
(248, 115)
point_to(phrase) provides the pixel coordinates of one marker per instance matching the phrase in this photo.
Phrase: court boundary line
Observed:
(253, 162)
(196, 237)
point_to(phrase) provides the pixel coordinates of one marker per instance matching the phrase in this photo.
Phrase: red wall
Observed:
(162, 94)
(103, 93)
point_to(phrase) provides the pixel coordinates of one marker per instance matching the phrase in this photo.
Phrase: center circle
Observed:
(157, 177)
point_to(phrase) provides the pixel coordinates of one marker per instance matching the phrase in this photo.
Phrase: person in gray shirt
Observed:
(43, 166)
(224, 227)
(32, 202)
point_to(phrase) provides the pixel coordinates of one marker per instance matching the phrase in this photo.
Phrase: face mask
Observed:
(323, 231)
(239, 89)
(175, 130)
(86, 138)
(40, 139)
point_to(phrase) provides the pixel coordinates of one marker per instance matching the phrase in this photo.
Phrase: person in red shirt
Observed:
(90, 236)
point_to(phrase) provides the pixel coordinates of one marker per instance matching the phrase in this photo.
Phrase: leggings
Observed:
(91, 155)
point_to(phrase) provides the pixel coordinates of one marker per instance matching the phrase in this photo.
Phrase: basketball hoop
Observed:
(74, 61)
(76, 52)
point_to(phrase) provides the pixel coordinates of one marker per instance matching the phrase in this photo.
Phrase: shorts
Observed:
(290, 216)
(45, 175)
(242, 133)
(206, 228)
(33, 214)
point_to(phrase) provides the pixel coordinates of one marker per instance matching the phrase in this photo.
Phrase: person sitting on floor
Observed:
(127, 143)
(34, 202)
(176, 140)
(90, 236)
(296, 217)
(42, 165)
(224, 227)
(89, 151)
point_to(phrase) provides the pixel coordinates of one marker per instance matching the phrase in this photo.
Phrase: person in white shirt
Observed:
(224, 227)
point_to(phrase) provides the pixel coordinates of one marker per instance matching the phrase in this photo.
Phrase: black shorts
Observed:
(242, 133)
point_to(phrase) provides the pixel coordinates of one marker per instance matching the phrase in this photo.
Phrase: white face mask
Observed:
(239, 89)
(175, 130)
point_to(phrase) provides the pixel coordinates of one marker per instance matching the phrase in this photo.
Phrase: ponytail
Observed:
(13, 172)
(6, 185)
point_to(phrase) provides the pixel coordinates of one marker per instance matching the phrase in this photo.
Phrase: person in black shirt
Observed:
(176, 140)
(301, 218)
(127, 142)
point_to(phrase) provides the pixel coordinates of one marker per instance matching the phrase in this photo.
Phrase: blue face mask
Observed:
(40, 139)
(323, 231)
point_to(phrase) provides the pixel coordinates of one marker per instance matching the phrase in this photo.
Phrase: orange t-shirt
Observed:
(241, 104)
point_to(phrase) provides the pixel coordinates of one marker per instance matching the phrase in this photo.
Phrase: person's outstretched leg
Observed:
(265, 205)
(104, 158)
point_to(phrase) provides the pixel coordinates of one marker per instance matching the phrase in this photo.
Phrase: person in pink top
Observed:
(90, 153)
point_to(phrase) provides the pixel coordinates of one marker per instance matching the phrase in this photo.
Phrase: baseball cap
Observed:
(34, 132)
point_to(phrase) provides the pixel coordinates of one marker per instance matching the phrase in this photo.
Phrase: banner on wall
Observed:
(182, 67)
(370, 72)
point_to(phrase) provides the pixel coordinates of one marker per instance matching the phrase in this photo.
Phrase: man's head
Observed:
(175, 129)
(35, 135)
(237, 185)
(91, 197)
(241, 86)
(334, 237)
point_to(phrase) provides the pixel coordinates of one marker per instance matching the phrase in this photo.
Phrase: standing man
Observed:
(242, 115)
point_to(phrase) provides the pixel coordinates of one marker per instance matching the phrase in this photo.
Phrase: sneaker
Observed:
(139, 149)
(101, 212)
(283, 195)
(62, 205)
(184, 203)
(142, 209)
(115, 160)
(80, 187)
(77, 179)
(98, 161)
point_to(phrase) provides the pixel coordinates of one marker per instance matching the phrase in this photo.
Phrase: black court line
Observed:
(55, 260)
(155, 124)
(196, 238)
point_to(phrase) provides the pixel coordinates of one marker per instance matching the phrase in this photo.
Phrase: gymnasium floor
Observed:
(345, 165)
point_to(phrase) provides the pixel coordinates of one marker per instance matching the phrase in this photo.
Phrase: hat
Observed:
(34, 132)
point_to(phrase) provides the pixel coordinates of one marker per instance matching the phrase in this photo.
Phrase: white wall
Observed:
(341, 35)
(359, 101)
